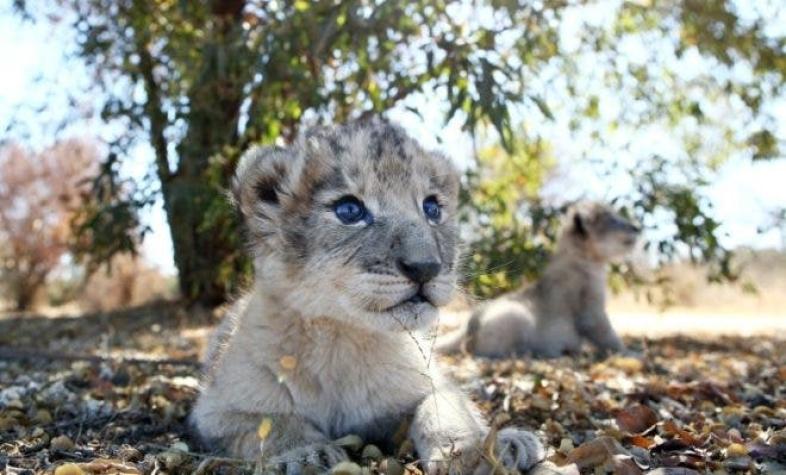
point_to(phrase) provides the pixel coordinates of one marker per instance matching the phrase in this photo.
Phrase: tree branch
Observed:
(153, 109)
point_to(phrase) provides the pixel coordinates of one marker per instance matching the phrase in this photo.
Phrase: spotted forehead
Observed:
(379, 156)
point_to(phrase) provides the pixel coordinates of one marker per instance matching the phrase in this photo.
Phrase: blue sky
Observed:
(37, 73)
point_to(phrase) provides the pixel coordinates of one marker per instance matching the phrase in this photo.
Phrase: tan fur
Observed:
(329, 341)
(567, 303)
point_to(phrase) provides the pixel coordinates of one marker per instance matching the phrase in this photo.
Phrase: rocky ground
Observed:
(681, 405)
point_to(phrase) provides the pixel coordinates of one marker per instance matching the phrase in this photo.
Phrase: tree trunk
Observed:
(199, 252)
(206, 251)
(26, 289)
(24, 300)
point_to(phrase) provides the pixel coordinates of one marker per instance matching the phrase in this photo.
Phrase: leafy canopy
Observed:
(654, 97)
(199, 81)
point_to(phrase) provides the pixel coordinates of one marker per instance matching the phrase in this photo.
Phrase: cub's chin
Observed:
(412, 314)
(415, 313)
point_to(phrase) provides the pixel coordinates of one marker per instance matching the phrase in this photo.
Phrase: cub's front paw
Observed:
(311, 458)
(517, 449)
(446, 455)
(452, 461)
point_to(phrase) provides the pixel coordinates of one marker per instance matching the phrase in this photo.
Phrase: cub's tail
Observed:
(460, 339)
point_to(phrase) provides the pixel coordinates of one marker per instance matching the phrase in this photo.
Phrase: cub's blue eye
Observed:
(350, 210)
(432, 209)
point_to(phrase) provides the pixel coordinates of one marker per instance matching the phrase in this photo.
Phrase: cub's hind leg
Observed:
(597, 329)
(249, 414)
(555, 336)
(503, 328)
(285, 444)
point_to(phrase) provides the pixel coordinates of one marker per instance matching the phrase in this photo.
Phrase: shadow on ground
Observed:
(70, 394)
(165, 329)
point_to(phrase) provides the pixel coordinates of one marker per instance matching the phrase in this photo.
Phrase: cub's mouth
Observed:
(417, 299)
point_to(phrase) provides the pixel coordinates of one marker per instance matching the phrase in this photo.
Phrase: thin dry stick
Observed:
(427, 360)
(15, 354)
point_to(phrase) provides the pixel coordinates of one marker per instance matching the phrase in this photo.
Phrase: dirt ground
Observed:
(110, 393)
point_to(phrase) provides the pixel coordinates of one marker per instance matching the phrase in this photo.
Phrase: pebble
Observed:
(121, 378)
(7, 423)
(371, 452)
(181, 446)
(172, 458)
(735, 436)
(15, 404)
(549, 468)
(42, 416)
(346, 468)
(56, 395)
(738, 463)
(11, 394)
(641, 457)
(69, 469)
(778, 439)
(62, 442)
(129, 454)
(773, 467)
(94, 407)
(391, 466)
(736, 450)
(352, 442)
(565, 446)
(672, 471)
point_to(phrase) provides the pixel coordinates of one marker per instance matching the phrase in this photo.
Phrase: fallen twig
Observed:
(13, 353)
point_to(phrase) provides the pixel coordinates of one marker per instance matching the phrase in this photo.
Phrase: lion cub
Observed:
(567, 302)
(353, 235)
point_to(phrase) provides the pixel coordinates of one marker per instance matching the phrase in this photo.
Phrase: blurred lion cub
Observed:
(567, 302)
(353, 234)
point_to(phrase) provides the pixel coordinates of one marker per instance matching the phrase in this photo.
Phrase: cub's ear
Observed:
(260, 182)
(579, 225)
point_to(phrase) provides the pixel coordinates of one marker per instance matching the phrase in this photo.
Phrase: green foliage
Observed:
(696, 231)
(509, 231)
(202, 80)
(107, 223)
(765, 145)
(512, 232)
(701, 67)
(706, 63)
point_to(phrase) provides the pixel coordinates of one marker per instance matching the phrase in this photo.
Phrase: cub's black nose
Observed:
(419, 271)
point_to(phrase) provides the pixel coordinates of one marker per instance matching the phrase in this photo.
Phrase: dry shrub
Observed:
(39, 193)
(759, 288)
(127, 282)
